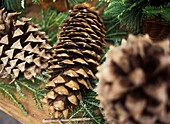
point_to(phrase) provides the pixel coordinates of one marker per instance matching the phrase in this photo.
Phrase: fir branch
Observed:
(27, 85)
(113, 27)
(166, 16)
(76, 112)
(87, 108)
(18, 89)
(38, 100)
(50, 22)
(122, 15)
(154, 11)
(37, 93)
(7, 91)
(100, 3)
(131, 15)
(41, 78)
(13, 5)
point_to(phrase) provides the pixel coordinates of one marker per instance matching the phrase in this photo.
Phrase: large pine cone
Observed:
(134, 83)
(75, 58)
(23, 48)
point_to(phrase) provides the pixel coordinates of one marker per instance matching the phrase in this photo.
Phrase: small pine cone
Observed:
(24, 50)
(75, 58)
(134, 83)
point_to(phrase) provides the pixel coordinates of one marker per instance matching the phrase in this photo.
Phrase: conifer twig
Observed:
(76, 113)
(101, 9)
(84, 106)
(7, 91)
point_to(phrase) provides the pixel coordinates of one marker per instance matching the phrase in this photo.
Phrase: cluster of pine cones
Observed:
(24, 51)
(133, 81)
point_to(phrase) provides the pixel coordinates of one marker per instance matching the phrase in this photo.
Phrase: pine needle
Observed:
(12, 5)
(153, 12)
(18, 89)
(50, 23)
(5, 89)
(41, 78)
(84, 106)
(87, 108)
(37, 93)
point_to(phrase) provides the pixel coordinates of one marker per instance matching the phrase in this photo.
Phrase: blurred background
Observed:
(6, 119)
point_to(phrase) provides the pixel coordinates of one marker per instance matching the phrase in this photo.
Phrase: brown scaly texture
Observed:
(75, 58)
(23, 48)
(134, 83)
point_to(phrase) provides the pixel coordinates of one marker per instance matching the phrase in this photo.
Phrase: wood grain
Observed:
(35, 115)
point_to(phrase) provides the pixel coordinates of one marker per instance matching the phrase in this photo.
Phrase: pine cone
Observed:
(75, 58)
(23, 48)
(134, 83)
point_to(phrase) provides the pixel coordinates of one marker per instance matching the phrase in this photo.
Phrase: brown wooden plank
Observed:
(35, 115)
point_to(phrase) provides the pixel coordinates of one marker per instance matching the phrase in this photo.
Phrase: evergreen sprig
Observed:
(33, 88)
(19, 90)
(8, 91)
(50, 23)
(160, 11)
(89, 108)
(127, 13)
(12, 5)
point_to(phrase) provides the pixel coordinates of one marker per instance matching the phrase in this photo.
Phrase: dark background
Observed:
(6, 119)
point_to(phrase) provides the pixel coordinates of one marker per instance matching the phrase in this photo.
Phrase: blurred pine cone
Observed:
(134, 83)
(75, 58)
(24, 50)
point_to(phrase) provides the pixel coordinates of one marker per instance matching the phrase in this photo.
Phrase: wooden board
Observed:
(35, 115)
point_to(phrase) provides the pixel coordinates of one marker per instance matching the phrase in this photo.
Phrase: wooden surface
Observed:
(35, 115)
